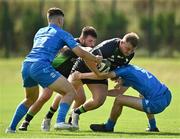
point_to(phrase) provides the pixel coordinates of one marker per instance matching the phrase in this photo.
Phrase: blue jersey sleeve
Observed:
(69, 40)
(122, 72)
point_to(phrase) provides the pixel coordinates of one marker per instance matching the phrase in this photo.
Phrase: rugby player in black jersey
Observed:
(119, 52)
(63, 63)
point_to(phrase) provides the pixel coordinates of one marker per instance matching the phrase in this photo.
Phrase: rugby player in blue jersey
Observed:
(63, 63)
(156, 96)
(37, 68)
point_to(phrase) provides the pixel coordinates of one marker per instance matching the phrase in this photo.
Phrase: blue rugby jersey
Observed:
(47, 43)
(141, 80)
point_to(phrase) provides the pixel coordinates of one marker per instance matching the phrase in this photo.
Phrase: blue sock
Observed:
(18, 115)
(62, 112)
(152, 123)
(110, 124)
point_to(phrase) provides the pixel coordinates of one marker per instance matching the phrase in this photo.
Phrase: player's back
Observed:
(47, 42)
(142, 81)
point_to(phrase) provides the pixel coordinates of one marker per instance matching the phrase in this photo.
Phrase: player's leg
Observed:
(117, 91)
(46, 123)
(63, 87)
(77, 84)
(116, 111)
(47, 76)
(54, 106)
(129, 101)
(80, 99)
(31, 96)
(151, 120)
(99, 93)
(149, 106)
(35, 108)
(152, 127)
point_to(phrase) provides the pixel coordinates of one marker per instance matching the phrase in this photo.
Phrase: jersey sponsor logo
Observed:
(52, 74)
(146, 102)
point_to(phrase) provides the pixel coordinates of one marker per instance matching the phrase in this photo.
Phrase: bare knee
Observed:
(99, 101)
(83, 100)
(29, 101)
(71, 93)
(44, 98)
(80, 99)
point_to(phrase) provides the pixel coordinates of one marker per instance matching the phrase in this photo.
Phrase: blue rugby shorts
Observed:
(157, 105)
(34, 73)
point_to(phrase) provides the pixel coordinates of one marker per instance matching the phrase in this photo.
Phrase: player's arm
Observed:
(91, 64)
(86, 55)
(65, 48)
(71, 43)
(93, 76)
(93, 67)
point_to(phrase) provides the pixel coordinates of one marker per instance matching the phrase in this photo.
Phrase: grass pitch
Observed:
(131, 124)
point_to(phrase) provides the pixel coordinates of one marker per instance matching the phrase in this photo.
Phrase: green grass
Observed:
(131, 124)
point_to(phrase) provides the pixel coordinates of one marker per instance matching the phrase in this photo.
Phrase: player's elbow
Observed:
(79, 52)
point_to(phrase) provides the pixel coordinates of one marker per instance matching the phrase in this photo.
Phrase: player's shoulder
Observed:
(108, 44)
(63, 33)
(42, 31)
(112, 40)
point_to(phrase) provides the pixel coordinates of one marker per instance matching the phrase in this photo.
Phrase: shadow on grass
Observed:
(148, 133)
(90, 133)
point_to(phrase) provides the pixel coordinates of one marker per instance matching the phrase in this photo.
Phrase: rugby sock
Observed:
(50, 113)
(18, 115)
(110, 124)
(29, 117)
(62, 112)
(80, 110)
(152, 123)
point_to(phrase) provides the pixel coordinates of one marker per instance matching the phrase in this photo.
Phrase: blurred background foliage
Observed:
(157, 22)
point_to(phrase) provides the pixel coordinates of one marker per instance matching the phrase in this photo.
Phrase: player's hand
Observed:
(119, 82)
(98, 59)
(76, 75)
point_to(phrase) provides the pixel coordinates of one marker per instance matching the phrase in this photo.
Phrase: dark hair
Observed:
(89, 30)
(54, 12)
(132, 38)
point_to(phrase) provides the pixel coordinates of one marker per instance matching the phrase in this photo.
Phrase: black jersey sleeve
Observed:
(129, 58)
(106, 48)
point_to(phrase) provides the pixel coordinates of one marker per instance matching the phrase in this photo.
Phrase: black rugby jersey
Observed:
(109, 49)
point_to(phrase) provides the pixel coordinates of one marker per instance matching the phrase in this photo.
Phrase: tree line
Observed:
(159, 29)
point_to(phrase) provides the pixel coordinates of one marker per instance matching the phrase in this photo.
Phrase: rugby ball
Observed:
(104, 66)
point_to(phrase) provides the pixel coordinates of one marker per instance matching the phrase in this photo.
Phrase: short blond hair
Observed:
(132, 38)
